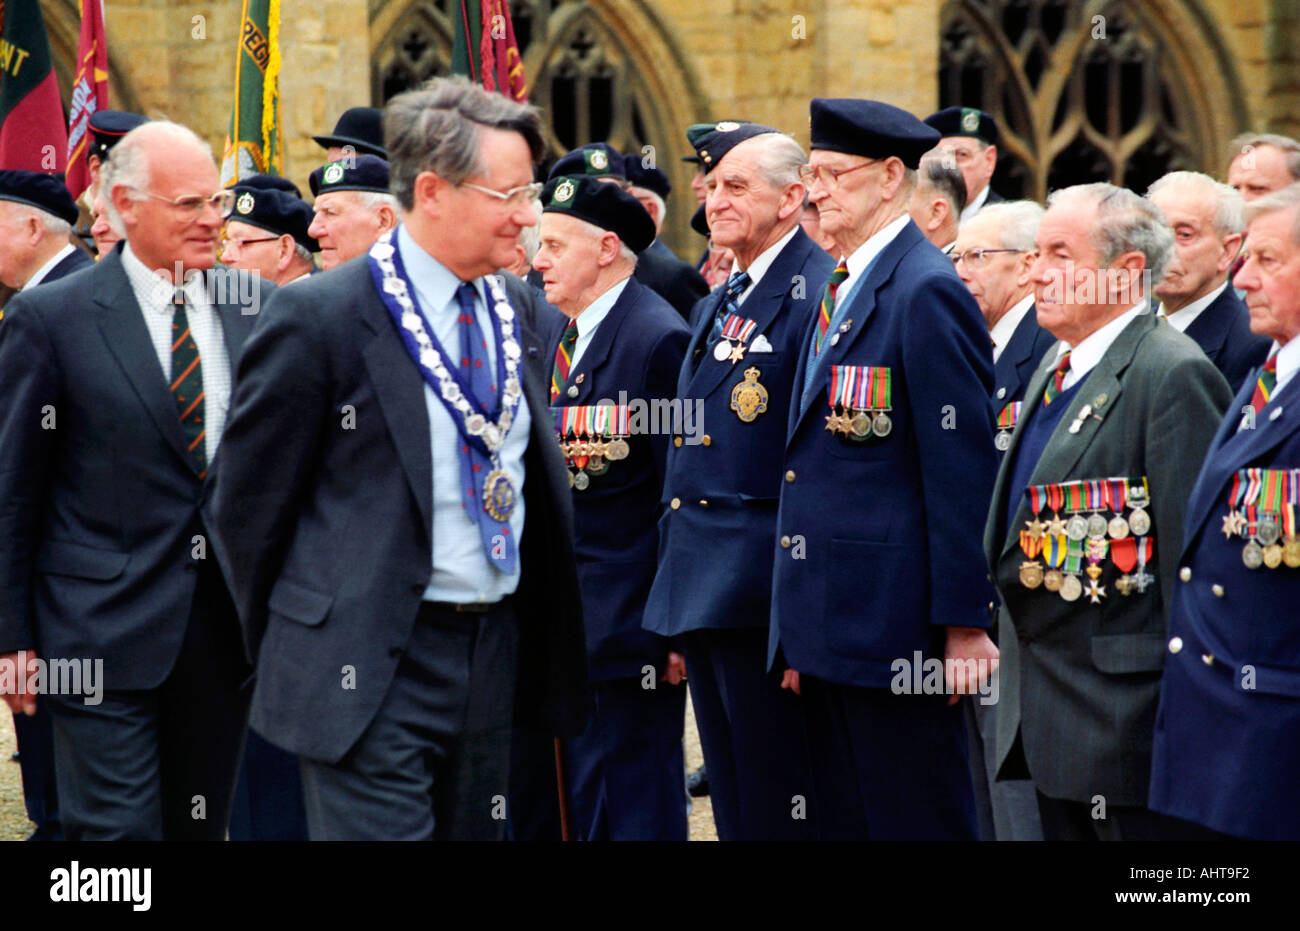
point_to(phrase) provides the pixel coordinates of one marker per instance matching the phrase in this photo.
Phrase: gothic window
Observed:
(1083, 90)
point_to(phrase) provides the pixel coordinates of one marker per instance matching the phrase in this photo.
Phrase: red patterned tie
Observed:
(563, 358)
(1058, 379)
(828, 304)
(1265, 385)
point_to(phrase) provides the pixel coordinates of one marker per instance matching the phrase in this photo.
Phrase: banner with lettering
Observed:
(253, 145)
(33, 135)
(89, 91)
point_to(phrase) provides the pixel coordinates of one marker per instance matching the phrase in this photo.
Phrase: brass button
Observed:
(789, 476)
(1185, 574)
(1207, 659)
(675, 503)
(677, 441)
(785, 543)
(1175, 644)
(704, 502)
(706, 440)
(1217, 589)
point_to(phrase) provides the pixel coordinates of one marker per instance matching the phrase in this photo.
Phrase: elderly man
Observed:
(353, 208)
(106, 536)
(971, 137)
(887, 465)
(1262, 163)
(938, 199)
(267, 233)
(395, 518)
(622, 341)
(1087, 517)
(36, 217)
(1227, 732)
(1205, 217)
(722, 488)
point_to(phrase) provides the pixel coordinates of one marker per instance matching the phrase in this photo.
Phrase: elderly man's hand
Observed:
(675, 672)
(19, 699)
(963, 644)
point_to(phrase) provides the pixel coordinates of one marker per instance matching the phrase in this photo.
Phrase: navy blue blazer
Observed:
(1017, 363)
(671, 278)
(1227, 731)
(324, 516)
(637, 349)
(101, 511)
(1222, 330)
(879, 545)
(715, 556)
(74, 261)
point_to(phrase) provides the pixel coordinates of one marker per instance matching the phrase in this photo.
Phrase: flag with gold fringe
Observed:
(253, 145)
(33, 136)
(89, 92)
(484, 48)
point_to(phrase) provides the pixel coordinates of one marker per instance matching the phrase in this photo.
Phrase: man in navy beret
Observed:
(267, 233)
(36, 216)
(353, 207)
(888, 465)
(971, 137)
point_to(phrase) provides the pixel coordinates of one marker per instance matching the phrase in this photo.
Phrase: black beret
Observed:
(42, 190)
(605, 205)
(362, 128)
(869, 128)
(964, 121)
(652, 179)
(700, 221)
(278, 212)
(361, 173)
(270, 183)
(107, 127)
(596, 159)
(723, 137)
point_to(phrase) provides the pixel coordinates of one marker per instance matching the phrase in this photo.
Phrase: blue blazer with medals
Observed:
(878, 545)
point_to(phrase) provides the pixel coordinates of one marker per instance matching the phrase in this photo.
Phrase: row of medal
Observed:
(860, 397)
(1067, 544)
(591, 437)
(1261, 509)
(1008, 417)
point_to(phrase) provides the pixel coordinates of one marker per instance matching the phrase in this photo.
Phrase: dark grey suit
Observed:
(1079, 682)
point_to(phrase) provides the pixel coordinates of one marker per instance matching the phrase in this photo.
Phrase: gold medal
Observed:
(1031, 574)
(1125, 585)
(617, 449)
(1291, 552)
(1273, 555)
(749, 398)
(1094, 571)
(499, 495)
(1052, 580)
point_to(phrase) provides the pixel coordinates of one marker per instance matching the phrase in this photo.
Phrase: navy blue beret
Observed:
(725, 136)
(605, 205)
(359, 173)
(360, 127)
(964, 121)
(700, 221)
(42, 190)
(596, 159)
(270, 183)
(277, 212)
(107, 127)
(869, 128)
(652, 179)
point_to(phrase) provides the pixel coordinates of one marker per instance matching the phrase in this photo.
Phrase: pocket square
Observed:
(760, 344)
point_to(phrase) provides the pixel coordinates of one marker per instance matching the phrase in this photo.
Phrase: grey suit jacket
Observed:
(1080, 681)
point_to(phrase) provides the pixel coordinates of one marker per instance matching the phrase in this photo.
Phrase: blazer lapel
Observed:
(699, 338)
(1015, 359)
(1210, 329)
(582, 375)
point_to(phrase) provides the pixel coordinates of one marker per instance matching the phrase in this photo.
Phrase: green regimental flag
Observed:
(467, 29)
(33, 132)
(253, 145)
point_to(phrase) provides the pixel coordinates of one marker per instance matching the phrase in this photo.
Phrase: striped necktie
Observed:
(1058, 379)
(187, 384)
(828, 305)
(563, 359)
(1265, 385)
(736, 286)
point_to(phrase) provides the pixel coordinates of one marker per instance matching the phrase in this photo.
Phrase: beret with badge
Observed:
(604, 205)
(722, 137)
(42, 190)
(869, 128)
(964, 121)
(597, 159)
(360, 173)
(276, 211)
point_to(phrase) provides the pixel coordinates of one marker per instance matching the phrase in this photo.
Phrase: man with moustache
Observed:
(353, 207)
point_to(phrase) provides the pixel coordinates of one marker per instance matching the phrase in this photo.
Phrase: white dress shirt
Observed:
(758, 268)
(48, 267)
(154, 294)
(591, 317)
(862, 256)
(974, 206)
(1181, 319)
(1008, 323)
(1085, 356)
(461, 570)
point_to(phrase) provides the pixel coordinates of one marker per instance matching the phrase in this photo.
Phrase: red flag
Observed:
(33, 136)
(89, 92)
(503, 69)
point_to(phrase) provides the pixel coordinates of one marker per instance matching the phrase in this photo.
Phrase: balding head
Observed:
(1205, 217)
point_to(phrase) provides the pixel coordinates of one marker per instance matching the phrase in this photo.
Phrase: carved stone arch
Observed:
(63, 24)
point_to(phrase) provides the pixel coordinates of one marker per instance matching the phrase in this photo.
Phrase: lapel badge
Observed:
(1277, 412)
(844, 327)
(1099, 400)
(581, 376)
(573, 391)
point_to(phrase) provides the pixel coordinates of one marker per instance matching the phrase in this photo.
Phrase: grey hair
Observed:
(1289, 147)
(1016, 222)
(1281, 199)
(1126, 222)
(530, 237)
(54, 226)
(942, 175)
(778, 158)
(1227, 200)
(436, 128)
(373, 200)
(128, 164)
(302, 252)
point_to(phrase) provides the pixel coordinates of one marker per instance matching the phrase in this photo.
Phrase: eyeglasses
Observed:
(978, 258)
(230, 241)
(193, 204)
(829, 177)
(525, 193)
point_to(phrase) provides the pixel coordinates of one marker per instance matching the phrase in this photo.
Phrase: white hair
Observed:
(302, 252)
(778, 158)
(1016, 222)
(54, 226)
(373, 200)
(530, 237)
(1126, 222)
(128, 164)
(1227, 200)
(1282, 199)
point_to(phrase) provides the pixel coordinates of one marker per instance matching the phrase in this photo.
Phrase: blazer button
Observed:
(1175, 644)
(706, 440)
(785, 543)
(1217, 589)
(677, 441)
(1185, 573)
(1002, 393)
(675, 503)
(789, 476)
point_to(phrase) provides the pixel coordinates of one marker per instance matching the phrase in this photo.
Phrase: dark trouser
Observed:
(886, 766)
(752, 734)
(1007, 809)
(626, 770)
(268, 795)
(160, 764)
(434, 762)
(1069, 820)
(35, 739)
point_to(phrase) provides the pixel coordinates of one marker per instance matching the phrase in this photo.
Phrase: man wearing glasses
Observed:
(267, 233)
(117, 382)
(396, 518)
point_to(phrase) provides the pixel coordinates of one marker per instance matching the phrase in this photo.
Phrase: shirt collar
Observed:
(48, 267)
(863, 255)
(973, 207)
(1181, 319)
(599, 309)
(1085, 356)
(1288, 359)
(1008, 323)
(154, 291)
(758, 268)
(435, 284)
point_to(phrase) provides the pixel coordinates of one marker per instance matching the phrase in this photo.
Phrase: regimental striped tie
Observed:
(1265, 385)
(828, 305)
(563, 359)
(736, 286)
(187, 384)
(1058, 379)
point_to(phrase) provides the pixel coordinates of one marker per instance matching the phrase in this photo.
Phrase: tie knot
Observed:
(841, 271)
(466, 295)
(737, 283)
(1270, 365)
(178, 297)
(1064, 364)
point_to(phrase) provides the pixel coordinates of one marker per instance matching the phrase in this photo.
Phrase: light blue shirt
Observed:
(462, 572)
(591, 318)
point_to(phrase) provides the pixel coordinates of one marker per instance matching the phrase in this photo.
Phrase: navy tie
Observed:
(476, 368)
(736, 286)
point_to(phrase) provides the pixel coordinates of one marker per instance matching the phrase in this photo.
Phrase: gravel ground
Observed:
(15, 826)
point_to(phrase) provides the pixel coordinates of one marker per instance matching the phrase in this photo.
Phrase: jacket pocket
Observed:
(82, 562)
(1125, 653)
(299, 603)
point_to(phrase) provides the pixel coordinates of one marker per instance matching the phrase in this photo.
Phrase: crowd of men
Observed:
(913, 488)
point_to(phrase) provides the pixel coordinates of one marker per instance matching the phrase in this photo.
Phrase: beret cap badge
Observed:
(970, 120)
(564, 191)
(245, 203)
(598, 160)
(334, 173)
(726, 126)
